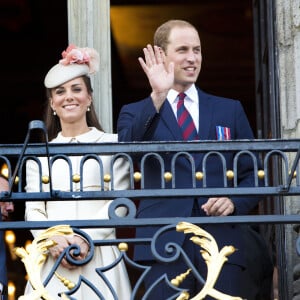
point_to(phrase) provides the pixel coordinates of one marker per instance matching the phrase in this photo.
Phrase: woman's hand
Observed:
(63, 242)
(83, 245)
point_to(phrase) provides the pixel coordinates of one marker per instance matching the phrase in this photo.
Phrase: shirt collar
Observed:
(191, 93)
(88, 137)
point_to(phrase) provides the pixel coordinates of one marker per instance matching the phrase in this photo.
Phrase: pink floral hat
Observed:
(75, 62)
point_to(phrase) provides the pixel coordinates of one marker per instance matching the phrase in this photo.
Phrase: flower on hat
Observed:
(75, 55)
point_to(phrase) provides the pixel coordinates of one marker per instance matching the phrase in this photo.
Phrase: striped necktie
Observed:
(185, 120)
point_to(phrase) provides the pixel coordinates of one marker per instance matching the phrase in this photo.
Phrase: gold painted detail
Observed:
(199, 175)
(214, 260)
(137, 176)
(67, 283)
(168, 176)
(179, 279)
(294, 174)
(45, 179)
(107, 178)
(230, 174)
(34, 258)
(76, 178)
(183, 296)
(261, 174)
(123, 247)
(16, 180)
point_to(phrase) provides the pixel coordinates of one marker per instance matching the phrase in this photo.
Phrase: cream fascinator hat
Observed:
(75, 62)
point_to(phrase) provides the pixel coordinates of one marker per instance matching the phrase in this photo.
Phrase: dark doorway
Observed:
(226, 32)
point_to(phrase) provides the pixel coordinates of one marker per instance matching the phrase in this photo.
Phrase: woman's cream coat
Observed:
(81, 210)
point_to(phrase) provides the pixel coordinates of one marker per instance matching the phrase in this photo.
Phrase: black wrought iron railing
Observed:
(263, 154)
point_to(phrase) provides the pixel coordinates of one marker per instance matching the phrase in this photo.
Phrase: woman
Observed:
(71, 118)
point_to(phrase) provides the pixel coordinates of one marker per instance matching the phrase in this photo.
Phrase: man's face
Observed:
(184, 50)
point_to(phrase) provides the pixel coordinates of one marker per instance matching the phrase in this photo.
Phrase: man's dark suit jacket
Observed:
(140, 122)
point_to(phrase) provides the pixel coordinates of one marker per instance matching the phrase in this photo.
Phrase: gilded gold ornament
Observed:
(168, 176)
(180, 278)
(107, 178)
(123, 246)
(261, 174)
(214, 259)
(294, 174)
(137, 176)
(67, 283)
(76, 178)
(199, 175)
(34, 258)
(183, 296)
(16, 180)
(45, 179)
(230, 174)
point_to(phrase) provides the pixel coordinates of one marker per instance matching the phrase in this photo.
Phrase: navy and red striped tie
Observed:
(185, 120)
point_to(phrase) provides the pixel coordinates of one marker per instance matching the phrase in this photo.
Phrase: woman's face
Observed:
(70, 101)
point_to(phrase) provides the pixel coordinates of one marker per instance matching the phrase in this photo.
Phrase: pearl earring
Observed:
(88, 108)
(54, 113)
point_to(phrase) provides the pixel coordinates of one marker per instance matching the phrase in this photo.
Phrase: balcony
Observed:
(265, 156)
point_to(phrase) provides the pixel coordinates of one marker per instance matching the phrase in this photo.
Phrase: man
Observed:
(6, 207)
(172, 66)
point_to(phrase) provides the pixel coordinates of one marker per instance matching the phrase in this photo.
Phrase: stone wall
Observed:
(288, 47)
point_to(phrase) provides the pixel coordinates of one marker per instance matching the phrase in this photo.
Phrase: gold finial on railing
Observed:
(261, 174)
(123, 247)
(76, 178)
(199, 175)
(45, 179)
(137, 176)
(213, 257)
(230, 174)
(107, 178)
(168, 176)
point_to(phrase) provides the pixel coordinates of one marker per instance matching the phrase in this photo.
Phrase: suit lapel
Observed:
(205, 115)
(169, 119)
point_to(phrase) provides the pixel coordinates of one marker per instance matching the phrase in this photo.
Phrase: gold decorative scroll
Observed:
(34, 258)
(214, 260)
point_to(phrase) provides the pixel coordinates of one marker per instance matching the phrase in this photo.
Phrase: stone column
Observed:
(89, 26)
(288, 41)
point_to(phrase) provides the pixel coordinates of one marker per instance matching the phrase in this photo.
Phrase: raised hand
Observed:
(160, 76)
